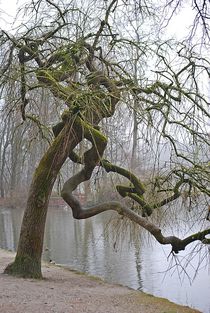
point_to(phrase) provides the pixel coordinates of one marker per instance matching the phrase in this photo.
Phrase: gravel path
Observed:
(64, 291)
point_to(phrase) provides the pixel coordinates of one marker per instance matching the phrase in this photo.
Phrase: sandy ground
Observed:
(64, 291)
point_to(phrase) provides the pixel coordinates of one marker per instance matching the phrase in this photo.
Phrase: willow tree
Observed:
(84, 63)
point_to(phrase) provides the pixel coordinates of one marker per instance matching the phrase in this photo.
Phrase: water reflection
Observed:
(95, 246)
(89, 245)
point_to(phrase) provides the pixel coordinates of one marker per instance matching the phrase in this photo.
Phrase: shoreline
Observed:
(67, 291)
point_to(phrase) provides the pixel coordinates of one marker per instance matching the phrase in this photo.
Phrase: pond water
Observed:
(105, 246)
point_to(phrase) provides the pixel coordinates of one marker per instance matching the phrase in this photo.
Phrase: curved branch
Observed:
(91, 158)
(109, 167)
(79, 212)
(136, 191)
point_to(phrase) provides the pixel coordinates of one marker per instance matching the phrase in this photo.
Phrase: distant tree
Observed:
(81, 56)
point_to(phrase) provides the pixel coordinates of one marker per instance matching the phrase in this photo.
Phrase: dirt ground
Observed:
(64, 291)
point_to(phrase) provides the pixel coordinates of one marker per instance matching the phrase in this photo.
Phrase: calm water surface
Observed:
(111, 251)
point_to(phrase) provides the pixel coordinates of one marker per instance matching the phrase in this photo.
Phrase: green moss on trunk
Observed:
(24, 266)
(28, 259)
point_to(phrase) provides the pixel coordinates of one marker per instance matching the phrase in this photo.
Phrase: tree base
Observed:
(25, 267)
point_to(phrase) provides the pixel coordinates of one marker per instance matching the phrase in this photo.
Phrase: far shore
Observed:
(18, 201)
(66, 291)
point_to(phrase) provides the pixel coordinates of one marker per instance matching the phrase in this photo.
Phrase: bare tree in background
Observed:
(83, 62)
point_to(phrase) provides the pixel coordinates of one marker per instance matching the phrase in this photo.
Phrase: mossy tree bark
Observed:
(27, 262)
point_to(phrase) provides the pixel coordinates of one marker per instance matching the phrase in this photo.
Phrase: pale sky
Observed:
(8, 10)
(178, 27)
(180, 23)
